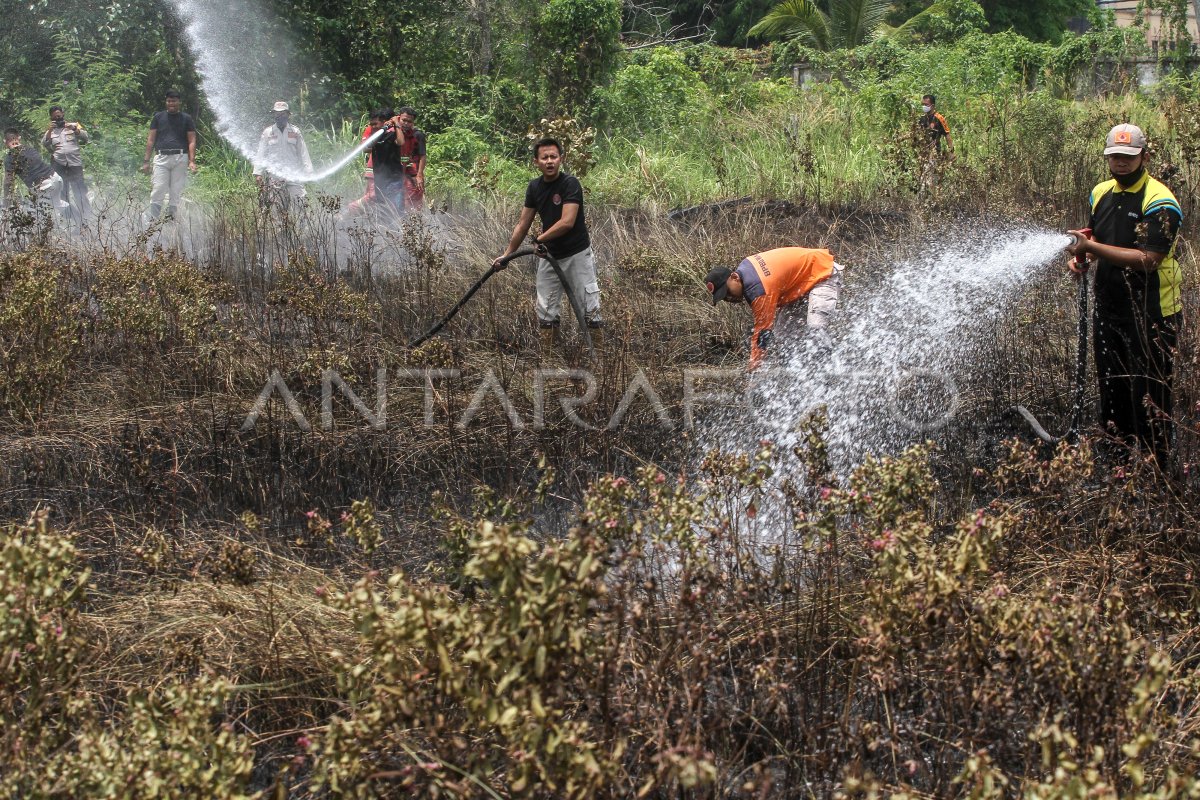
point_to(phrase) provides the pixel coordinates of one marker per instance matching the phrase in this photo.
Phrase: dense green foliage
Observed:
(673, 124)
(1041, 21)
(848, 23)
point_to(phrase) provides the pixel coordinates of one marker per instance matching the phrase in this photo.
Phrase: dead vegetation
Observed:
(492, 610)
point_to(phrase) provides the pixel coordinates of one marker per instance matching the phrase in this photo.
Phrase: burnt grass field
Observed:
(451, 603)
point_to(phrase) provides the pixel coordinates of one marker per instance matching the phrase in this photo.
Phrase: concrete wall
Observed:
(1126, 12)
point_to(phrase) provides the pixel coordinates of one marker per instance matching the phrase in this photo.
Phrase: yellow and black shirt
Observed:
(1145, 216)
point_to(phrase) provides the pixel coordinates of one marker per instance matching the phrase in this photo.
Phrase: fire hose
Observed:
(1072, 432)
(496, 267)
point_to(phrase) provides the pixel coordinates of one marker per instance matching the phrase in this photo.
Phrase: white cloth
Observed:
(49, 191)
(823, 298)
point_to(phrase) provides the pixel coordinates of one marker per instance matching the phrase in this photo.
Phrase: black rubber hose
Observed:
(524, 251)
(470, 293)
(1080, 377)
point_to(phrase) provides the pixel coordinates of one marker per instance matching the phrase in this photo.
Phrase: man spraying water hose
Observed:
(398, 159)
(361, 205)
(558, 199)
(1134, 222)
(775, 279)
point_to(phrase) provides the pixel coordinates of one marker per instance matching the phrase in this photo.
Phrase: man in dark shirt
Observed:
(1139, 306)
(172, 145)
(557, 198)
(388, 160)
(935, 125)
(26, 165)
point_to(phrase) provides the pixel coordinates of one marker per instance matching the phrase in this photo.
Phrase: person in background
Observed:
(171, 144)
(63, 139)
(935, 125)
(412, 157)
(361, 205)
(1139, 304)
(386, 161)
(25, 164)
(282, 154)
(557, 198)
(937, 129)
(775, 279)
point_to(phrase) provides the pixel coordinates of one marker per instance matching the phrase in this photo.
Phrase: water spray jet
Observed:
(233, 41)
(1072, 433)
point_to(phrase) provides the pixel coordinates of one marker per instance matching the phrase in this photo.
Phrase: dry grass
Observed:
(804, 670)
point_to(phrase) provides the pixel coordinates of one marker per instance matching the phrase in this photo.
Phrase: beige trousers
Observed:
(580, 272)
(169, 179)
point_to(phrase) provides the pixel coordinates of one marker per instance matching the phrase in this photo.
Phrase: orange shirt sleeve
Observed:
(764, 309)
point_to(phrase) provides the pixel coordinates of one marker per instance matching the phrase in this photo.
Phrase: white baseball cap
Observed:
(281, 106)
(1125, 139)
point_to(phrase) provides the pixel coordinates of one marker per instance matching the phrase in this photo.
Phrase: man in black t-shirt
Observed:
(26, 165)
(557, 198)
(172, 144)
(1138, 288)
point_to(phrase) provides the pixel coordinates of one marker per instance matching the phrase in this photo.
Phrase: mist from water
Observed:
(894, 366)
(246, 62)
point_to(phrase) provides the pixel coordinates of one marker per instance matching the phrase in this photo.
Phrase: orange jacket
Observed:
(787, 275)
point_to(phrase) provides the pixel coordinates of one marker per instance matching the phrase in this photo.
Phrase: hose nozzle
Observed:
(1083, 235)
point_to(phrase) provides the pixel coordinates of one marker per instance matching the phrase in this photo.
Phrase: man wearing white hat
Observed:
(282, 158)
(1139, 309)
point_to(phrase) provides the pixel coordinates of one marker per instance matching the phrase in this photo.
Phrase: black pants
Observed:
(1135, 360)
(72, 177)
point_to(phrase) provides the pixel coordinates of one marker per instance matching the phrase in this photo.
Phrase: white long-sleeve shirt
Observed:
(282, 151)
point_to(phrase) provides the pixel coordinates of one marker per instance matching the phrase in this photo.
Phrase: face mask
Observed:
(58, 123)
(281, 122)
(1129, 180)
(926, 109)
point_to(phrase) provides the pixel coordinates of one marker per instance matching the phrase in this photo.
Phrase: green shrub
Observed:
(166, 744)
(659, 95)
(455, 150)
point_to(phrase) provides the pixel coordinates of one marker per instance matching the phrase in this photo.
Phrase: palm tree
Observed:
(842, 23)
